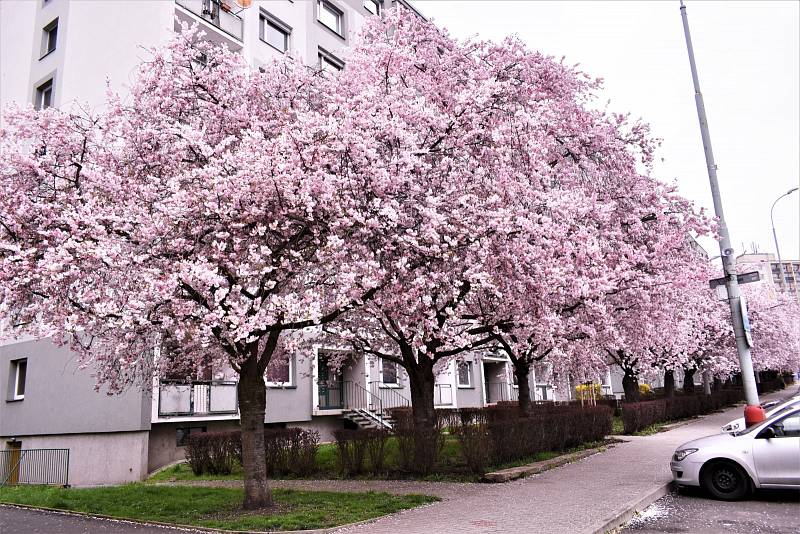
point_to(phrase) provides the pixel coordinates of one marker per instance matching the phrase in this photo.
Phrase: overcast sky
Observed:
(747, 58)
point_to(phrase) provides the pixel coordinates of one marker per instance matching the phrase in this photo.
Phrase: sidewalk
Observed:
(576, 498)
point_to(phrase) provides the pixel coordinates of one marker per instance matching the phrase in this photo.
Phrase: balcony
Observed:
(178, 398)
(442, 395)
(218, 13)
(500, 392)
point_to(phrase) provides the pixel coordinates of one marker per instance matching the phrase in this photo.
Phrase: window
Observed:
(464, 374)
(330, 16)
(389, 373)
(182, 434)
(274, 32)
(44, 95)
(279, 372)
(328, 62)
(373, 6)
(788, 427)
(49, 38)
(19, 372)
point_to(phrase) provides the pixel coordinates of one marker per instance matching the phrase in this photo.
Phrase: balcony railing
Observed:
(498, 392)
(347, 395)
(217, 13)
(442, 395)
(179, 398)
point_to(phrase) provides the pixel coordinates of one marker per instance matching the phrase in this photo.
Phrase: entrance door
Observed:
(14, 456)
(329, 385)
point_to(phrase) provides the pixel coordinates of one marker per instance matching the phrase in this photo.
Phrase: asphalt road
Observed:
(692, 511)
(21, 521)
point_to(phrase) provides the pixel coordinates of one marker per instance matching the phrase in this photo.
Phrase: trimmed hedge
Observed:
(498, 434)
(639, 415)
(419, 449)
(353, 447)
(291, 451)
(214, 453)
(286, 450)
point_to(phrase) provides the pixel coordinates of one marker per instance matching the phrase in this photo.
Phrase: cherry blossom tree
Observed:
(775, 324)
(201, 217)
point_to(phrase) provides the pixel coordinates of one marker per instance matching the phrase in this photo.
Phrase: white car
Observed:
(729, 466)
(770, 408)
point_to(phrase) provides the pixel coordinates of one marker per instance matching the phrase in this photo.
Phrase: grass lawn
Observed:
(216, 507)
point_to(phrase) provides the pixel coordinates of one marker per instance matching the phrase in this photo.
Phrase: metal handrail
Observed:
(390, 397)
(363, 400)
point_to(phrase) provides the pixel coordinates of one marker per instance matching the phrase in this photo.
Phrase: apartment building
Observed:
(768, 268)
(63, 53)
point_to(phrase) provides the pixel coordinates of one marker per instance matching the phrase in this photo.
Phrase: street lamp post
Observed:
(775, 237)
(753, 413)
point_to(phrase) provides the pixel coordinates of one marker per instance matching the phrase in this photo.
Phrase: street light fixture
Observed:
(775, 237)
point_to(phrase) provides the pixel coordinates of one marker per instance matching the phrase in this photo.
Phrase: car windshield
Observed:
(772, 417)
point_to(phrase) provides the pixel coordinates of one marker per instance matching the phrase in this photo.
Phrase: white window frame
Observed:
(46, 32)
(326, 57)
(39, 92)
(329, 7)
(470, 367)
(288, 384)
(16, 364)
(377, 5)
(397, 374)
(266, 19)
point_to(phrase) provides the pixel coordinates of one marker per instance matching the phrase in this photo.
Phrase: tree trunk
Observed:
(707, 382)
(669, 383)
(630, 384)
(252, 405)
(425, 431)
(522, 370)
(688, 380)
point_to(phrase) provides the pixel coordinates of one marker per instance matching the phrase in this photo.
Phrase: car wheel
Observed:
(726, 481)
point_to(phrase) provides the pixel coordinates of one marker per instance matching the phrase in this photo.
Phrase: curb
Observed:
(193, 528)
(514, 473)
(622, 515)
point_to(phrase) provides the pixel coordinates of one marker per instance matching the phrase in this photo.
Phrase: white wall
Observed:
(98, 459)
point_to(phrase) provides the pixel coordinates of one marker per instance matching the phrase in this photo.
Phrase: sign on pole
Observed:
(744, 278)
(746, 321)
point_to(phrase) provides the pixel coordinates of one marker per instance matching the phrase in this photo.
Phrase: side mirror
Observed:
(767, 433)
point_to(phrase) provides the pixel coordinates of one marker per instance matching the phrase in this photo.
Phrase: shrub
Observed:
(351, 448)
(214, 453)
(354, 446)
(498, 434)
(376, 449)
(419, 448)
(639, 415)
(588, 391)
(290, 451)
(475, 446)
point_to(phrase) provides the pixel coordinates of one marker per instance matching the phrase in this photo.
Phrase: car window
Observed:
(788, 427)
(771, 417)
